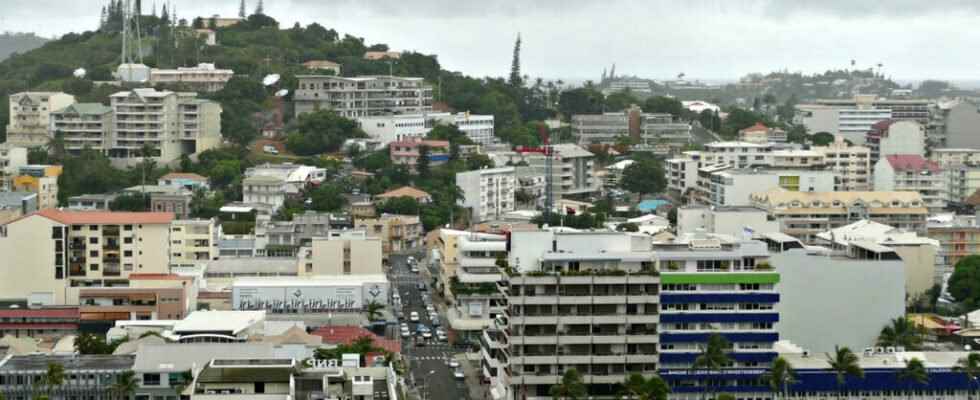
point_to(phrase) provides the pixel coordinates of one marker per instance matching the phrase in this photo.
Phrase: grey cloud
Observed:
(866, 8)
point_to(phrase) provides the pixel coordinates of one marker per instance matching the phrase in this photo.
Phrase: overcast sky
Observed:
(706, 39)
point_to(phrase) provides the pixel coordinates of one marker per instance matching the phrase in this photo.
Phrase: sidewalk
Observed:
(477, 390)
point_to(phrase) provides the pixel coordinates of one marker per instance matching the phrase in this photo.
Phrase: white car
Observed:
(458, 374)
(414, 316)
(396, 297)
(405, 332)
(442, 337)
(430, 308)
(270, 149)
(453, 363)
(415, 269)
(427, 334)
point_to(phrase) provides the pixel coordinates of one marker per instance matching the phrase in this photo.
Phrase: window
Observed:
(93, 227)
(93, 267)
(93, 253)
(56, 233)
(151, 379)
(93, 240)
(128, 240)
(128, 253)
(309, 268)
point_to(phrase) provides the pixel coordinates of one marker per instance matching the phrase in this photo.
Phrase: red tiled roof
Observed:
(912, 162)
(757, 127)
(184, 175)
(404, 191)
(882, 125)
(40, 313)
(349, 334)
(38, 326)
(213, 295)
(106, 217)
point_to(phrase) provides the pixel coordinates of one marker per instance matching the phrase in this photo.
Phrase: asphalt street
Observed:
(428, 361)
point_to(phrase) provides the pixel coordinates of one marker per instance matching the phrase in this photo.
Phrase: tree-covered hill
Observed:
(253, 48)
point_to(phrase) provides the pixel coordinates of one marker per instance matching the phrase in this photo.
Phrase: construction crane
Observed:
(549, 154)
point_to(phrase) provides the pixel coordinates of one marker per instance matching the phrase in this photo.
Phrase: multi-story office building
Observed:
(30, 116)
(588, 301)
(193, 240)
(912, 173)
(362, 96)
(713, 285)
(487, 193)
(11, 159)
(891, 137)
(632, 123)
(805, 214)
(40, 179)
(397, 232)
(958, 236)
(851, 165)
(203, 77)
(573, 169)
(407, 152)
(734, 187)
(86, 376)
(348, 253)
(853, 118)
(84, 125)
(52, 253)
(472, 281)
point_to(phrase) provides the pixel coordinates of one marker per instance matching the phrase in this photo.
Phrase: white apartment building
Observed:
(51, 254)
(30, 116)
(203, 77)
(584, 300)
(912, 173)
(172, 123)
(84, 125)
(739, 222)
(269, 184)
(851, 164)
(11, 159)
(264, 189)
(962, 170)
(893, 137)
(682, 172)
(737, 154)
(362, 96)
(735, 187)
(488, 193)
(572, 168)
(385, 129)
(193, 240)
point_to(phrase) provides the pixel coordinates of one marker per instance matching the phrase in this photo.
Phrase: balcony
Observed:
(111, 269)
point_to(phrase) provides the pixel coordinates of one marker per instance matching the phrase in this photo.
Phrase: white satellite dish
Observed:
(270, 80)
(80, 73)
(282, 93)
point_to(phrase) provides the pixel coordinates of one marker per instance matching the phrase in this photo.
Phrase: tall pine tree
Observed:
(241, 10)
(515, 64)
(259, 9)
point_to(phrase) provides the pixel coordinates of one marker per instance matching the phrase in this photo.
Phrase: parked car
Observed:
(430, 308)
(270, 149)
(405, 332)
(441, 336)
(458, 374)
(415, 269)
(414, 316)
(421, 286)
(453, 363)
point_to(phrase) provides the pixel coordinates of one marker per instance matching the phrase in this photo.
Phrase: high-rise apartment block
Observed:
(362, 96)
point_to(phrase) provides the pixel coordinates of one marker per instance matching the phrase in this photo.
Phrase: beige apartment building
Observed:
(84, 125)
(204, 77)
(30, 115)
(171, 123)
(11, 159)
(852, 164)
(805, 214)
(397, 232)
(149, 296)
(193, 240)
(350, 253)
(51, 254)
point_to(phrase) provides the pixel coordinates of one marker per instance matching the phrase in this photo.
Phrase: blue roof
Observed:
(651, 205)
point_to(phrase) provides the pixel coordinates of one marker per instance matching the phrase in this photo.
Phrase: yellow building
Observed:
(40, 179)
(397, 232)
(51, 254)
(193, 240)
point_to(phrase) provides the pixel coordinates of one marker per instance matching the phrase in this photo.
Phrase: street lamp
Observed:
(425, 384)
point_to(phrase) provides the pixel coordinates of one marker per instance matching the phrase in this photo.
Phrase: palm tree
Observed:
(639, 388)
(714, 355)
(914, 372)
(186, 378)
(374, 310)
(844, 362)
(125, 384)
(54, 376)
(780, 376)
(900, 332)
(969, 366)
(570, 388)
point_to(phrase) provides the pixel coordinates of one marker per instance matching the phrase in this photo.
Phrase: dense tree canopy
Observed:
(321, 132)
(645, 176)
(964, 285)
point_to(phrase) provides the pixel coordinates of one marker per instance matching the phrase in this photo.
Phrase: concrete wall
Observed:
(920, 267)
(963, 126)
(828, 301)
(28, 265)
(904, 137)
(328, 257)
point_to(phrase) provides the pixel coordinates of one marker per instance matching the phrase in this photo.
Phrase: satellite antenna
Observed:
(270, 80)
(282, 93)
(80, 73)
